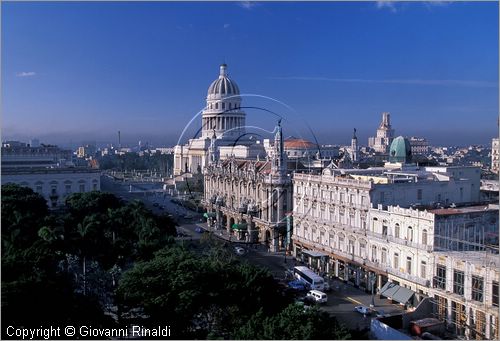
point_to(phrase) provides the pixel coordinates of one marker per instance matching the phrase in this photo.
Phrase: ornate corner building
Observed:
(251, 198)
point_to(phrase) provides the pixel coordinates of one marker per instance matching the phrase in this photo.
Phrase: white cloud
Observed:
(226, 26)
(247, 4)
(26, 74)
(437, 3)
(391, 5)
(446, 82)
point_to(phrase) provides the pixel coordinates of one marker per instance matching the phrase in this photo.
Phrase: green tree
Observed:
(293, 323)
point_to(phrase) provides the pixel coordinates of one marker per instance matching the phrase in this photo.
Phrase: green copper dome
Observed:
(400, 150)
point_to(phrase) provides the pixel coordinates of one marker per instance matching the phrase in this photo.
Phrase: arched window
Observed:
(410, 233)
(424, 237)
(396, 231)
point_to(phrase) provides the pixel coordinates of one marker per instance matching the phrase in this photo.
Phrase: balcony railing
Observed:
(401, 241)
(408, 277)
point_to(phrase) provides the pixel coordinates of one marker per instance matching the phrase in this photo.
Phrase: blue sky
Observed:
(75, 72)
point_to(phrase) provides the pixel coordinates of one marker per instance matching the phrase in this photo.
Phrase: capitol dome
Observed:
(223, 86)
(400, 150)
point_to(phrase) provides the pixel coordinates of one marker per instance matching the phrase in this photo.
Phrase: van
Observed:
(317, 296)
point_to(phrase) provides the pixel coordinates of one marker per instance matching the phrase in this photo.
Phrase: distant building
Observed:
(86, 151)
(419, 145)
(385, 134)
(48, 170)
(495, 160)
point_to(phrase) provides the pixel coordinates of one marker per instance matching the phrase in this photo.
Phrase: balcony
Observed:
(401, 241)
(408, 277)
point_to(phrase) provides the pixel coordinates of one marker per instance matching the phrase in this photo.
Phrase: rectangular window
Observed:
(352, 199)
(494, 294)
(477, 288)
(342, 197)
(458, 282)
(396, 261)
(362, 250)
(408, 265)
(383, 257)
(82, 188)
(68, 189)
(440, 279)
(39, 189)
(384, 230)
(423, 269)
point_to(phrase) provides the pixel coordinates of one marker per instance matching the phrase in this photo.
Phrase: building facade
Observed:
(250, 198)
(419, 145)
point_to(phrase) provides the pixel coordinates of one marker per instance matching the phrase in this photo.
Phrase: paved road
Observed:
(341, 300)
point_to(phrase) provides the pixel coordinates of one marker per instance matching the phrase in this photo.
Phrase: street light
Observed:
(372, 283)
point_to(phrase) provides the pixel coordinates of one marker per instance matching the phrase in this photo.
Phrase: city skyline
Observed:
(144, 69)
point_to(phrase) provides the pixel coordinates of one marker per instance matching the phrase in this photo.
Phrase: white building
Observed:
(223, 117)
(47, 170)
(381, 142)
(54, 184)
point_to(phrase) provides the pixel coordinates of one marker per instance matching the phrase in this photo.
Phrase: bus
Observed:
(306, 275)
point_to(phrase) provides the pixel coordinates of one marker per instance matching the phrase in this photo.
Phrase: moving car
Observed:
(317, 296)
(363, 310)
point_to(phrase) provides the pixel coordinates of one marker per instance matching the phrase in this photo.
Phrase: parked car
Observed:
(200, 229)
(317, 296)
(239, 250)
(297, 285)
(363, 310)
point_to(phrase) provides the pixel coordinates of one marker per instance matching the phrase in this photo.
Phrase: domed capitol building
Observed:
(222, 120)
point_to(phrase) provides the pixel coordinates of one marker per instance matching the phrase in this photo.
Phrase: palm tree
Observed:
(83, 229)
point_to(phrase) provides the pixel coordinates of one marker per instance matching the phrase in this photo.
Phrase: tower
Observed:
(354, 147)
(213, 151)
(278, 161)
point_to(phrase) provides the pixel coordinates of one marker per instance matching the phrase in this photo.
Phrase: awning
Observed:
(314, 254)
(396, 292)
(209, 214)
(403, 295)
(239, 226)
(389, 289)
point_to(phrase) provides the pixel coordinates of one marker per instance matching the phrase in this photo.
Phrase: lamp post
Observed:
(372, 284)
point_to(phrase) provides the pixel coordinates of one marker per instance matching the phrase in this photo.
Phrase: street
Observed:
(341, 299)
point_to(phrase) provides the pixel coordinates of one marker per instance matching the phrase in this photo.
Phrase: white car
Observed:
(239, 250)
(317, 296)
(363, 310)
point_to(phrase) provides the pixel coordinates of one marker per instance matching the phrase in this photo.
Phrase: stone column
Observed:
(336, 268)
